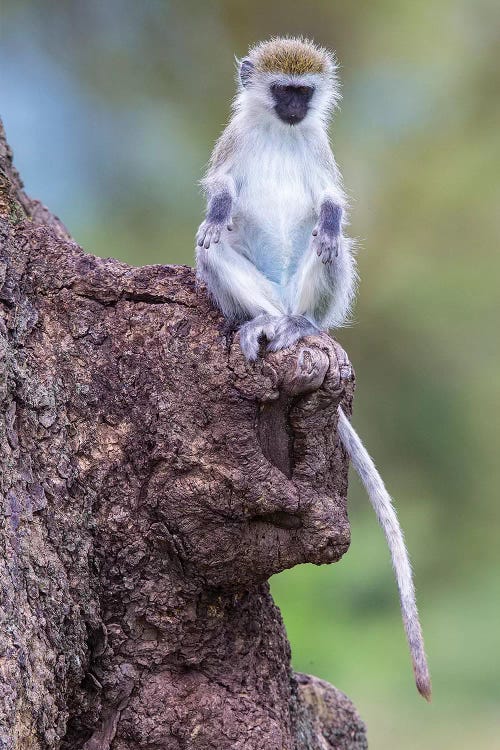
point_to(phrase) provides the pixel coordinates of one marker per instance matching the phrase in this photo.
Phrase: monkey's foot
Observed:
(253, 332)
(288, 329)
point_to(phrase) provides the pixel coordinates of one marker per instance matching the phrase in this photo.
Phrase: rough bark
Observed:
(151, 483)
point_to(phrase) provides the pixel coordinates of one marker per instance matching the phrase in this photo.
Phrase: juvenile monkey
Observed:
(272, 185)
(272, 249)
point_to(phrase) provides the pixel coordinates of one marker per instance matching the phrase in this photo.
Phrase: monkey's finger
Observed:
(315, 232)
(326, 255)
(230, 226)
(208, 238)
(216, 236)
(323, 249)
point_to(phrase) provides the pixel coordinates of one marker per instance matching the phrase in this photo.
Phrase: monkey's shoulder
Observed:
(226, 148)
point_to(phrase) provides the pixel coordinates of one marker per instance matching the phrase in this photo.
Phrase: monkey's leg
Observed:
(242, 293)
(239, 289)
(254, 331)
(287, 330)
(318, 296)
(323, 292)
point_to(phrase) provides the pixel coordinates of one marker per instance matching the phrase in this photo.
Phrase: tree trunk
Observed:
(151, 482)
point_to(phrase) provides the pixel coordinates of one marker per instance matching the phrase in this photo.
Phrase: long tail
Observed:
(382, 505)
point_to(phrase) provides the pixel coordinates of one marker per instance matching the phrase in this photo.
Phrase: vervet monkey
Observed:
(272, 249)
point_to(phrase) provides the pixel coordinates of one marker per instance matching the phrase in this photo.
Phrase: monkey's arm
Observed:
(324, 284)
(330, 201)
(221, 192)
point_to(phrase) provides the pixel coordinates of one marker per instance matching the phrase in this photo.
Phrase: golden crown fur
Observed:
(291, 55)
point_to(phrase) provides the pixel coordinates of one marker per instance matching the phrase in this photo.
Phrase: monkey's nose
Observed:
(290, 114)
(294, 115)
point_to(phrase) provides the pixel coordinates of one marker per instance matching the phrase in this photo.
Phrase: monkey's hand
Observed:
(326, 243)
(210, 231)
(327, 233)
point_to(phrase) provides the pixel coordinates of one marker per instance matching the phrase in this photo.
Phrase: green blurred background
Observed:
(112, 109)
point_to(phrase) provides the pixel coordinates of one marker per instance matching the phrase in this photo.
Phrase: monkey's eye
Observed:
(303, 90)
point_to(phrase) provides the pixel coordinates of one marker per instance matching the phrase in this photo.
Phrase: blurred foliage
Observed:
(112, 109)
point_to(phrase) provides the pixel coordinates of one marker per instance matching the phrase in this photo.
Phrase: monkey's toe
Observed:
(253, 333)
(289, 330)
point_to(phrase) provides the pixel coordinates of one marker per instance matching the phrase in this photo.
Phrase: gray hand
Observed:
(326, 243)
(210, 231)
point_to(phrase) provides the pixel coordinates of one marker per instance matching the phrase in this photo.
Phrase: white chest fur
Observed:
(277, 184)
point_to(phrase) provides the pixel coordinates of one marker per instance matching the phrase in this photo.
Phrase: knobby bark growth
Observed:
(151, 483)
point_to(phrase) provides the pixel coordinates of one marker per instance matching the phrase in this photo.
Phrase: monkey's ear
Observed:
(246, 70)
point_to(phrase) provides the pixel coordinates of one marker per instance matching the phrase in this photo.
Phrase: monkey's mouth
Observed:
(291, 118)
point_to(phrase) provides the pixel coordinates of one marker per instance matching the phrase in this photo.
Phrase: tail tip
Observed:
(424, 687)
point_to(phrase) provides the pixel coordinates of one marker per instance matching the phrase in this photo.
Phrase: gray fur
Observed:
(254, 333)
(281, 332)
(289, 329)
(382, 505)
(327, 233)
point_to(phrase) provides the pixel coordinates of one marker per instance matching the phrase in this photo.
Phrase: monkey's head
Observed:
(289, 79)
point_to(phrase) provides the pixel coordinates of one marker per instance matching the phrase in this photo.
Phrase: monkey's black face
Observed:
(291, 102)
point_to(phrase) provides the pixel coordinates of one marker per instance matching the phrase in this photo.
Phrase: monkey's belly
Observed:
(275, 213)
(275, 254)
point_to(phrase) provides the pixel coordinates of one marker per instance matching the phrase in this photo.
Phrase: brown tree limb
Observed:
(151, 483)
